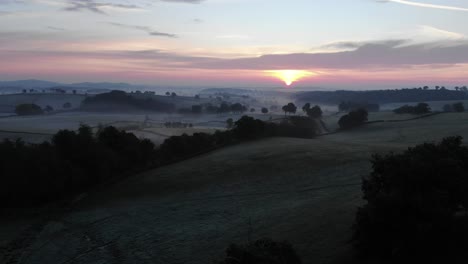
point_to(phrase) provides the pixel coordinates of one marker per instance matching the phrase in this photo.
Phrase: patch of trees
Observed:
(353, 119)
(382, 96)
(289, 108)
(72, 162)
(419, 109)
(263, 251)
(264, 110)
(416, 205)
(121, 99)
(347, 106)
(457, 107)
(246, 128)
(225, 107)
(312, 112)
(28, 109)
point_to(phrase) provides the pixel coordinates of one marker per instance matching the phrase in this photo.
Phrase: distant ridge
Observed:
(382, 96)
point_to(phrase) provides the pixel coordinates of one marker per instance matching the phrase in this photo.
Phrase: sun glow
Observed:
(290, 76)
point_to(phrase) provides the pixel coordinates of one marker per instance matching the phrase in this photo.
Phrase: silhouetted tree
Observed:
(353, 119)
(173, 94)
(315, 112)
(416, 204)
(168, 93)
(306, 108)
(264, 110)
(289, 108)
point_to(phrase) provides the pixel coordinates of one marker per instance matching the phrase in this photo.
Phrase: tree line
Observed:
(122, 100)
(73, 161)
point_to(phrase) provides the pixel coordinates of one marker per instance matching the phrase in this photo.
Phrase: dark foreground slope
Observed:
(304, 191)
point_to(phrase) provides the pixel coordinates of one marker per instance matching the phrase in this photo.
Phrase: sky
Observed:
(355, 44)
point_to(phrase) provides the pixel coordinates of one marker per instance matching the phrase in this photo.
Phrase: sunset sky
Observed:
(253, 43)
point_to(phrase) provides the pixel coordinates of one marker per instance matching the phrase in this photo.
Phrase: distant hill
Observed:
(89, 87)
(28, 84)
(381, 96)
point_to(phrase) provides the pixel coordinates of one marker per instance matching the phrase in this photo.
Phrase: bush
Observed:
(416, 203)
(264, 251)
(28, 109)
(419, 109)
(459, 107)
(353, 119)
(314, 112)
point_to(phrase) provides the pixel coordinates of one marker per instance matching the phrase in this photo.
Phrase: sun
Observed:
(290, 76)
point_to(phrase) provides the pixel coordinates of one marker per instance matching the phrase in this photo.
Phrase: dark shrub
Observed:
(459, 107)
(353, 119)
(249, 128)
(28, 109)
(416, 203)
(264, 251)
(314, 112)
(421, 108)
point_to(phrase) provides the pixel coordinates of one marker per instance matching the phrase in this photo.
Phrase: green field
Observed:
(303, 191)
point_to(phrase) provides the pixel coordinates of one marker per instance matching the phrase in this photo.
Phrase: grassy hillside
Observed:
(304, 191)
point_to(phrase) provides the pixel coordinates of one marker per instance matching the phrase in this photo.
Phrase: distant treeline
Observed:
(120, 100)
(73, 162)
(382, 96)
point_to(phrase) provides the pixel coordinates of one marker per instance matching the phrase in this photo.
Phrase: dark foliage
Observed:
(264, 251)
(419, 109)
(416, 204)
(289, 108)
(121, 99)
(264, 110)
(353, 119)
(28, 109)
(32, 174)
(314, 112)
(246, 128)
(459, 107)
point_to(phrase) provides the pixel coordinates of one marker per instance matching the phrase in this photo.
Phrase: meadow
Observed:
(305, 191)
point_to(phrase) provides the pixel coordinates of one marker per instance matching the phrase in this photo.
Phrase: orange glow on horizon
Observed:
(290, 76)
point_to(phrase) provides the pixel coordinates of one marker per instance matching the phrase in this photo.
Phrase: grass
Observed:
(303, 191)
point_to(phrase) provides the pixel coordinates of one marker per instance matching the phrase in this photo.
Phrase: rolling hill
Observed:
(303, 191)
